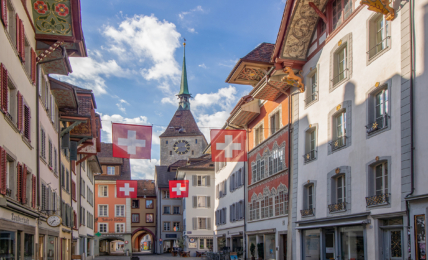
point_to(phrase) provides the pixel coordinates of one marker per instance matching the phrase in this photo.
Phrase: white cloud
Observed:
(228, 63)
(145, 38)
(192, 30)
(213, 121)
(225, 97)
(197, 9)
(143, 169)
(202, 65)
(120, 105)
(89, 72)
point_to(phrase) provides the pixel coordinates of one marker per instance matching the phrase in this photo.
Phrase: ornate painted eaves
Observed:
(380, 6)
(302, 26)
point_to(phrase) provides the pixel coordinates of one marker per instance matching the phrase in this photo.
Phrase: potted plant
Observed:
(252, 251)
(181, 243)
(260, 251)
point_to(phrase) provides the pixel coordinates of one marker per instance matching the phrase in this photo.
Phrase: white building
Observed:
(229, 207)
(199, 205)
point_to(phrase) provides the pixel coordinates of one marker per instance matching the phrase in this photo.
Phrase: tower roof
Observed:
(182, 124)
(184, 87)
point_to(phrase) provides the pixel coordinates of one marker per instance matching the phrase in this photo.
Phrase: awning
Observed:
(336, 224)
(246, 113)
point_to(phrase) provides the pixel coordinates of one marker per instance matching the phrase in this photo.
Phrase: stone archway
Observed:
(109, 245)
(137, 237)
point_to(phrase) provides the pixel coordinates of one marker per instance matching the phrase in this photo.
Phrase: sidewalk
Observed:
(144, 257)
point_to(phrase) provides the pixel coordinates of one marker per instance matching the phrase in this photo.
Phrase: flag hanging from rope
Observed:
(132, 141)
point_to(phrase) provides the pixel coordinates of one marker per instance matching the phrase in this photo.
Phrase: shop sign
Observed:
(126, 241)
(192, 242)
(19, 219)
(113, 219)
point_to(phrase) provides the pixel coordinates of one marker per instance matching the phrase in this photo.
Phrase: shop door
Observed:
(329, 245)
(393, 244)
(41, 247)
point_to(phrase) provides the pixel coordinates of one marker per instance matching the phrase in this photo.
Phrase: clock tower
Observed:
(182, 139)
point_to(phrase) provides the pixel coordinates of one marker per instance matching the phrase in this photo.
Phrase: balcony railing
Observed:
(379, 47)
(337, 207)
(311, 97)
(339, 77)
(338, 143)
(379, 199)
(310, 156)
(307, 212)
(378, 124)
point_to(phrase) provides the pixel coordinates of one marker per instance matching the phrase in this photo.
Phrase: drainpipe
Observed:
(38, 118)
(412, 76)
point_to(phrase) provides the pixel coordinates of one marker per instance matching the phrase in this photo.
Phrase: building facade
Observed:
(198, 207)
(112, 215)
(143, 217)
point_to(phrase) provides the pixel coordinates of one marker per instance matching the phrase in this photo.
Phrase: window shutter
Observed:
(4, 81)
(195, 223)
(19, 182)
(4, 12)
(225, 186)
(22, 32)
(242, 176)
(72, 219)
(3, 165)
(217, 191)
(27, 116)
(194, 180)
(33, 191)
(18, 38)
(230, 213)
(19, 103)
(33, 66)
(208, 198)
(195, 201)
(208, 181)
(24, 185)
(208, 223)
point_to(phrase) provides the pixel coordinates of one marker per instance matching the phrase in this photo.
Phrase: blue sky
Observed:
(135, 54)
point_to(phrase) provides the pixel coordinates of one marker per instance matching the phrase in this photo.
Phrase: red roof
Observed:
(261, 53)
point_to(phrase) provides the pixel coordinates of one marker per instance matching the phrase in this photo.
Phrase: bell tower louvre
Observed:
(182, 138)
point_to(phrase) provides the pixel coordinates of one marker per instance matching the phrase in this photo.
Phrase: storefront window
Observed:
(352, 243)
(312, 244)
(270, 252)
(89, 247)
(28, 246)
(252, 240)
(7, 242)
(221, 242)
(50, 248)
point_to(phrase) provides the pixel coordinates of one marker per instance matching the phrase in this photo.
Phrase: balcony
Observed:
(312, 155)
(380, 199)
(337, 207)
(338, 143)
(307, 212)
(379, 124)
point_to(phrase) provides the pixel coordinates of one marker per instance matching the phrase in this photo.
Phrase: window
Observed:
(120, 227)
(281, 203)
(103, 191)
(42, 143)
(379, 35)
(340, 65)
(203, 201)
(341, 9)
(258, 135)
(275, 123)
(310, 191)
(166, 210)
(120, 211)
(27, 51)
(339, 131)
(67, 181)
(111, 170)
(209, 243)
(166, 142)
(170, 152)
(82, 215)
(203, 180)
(11, 101)
(202, 223)
(135, 217)
(176, 226)
(176, 210)
(27, 122)
(196, 141)
(82, 187)
(261, 174)
(55, 161)
(201, 243)
(166, 226)
(378, 111)
(310, 144)
(340, 189)
(381, 179)
(312, 87)
(149, 218)
(308, 200)
(165, 194)
(149, 204)
(11, 21)
(103, 228)
(103, 210)
(50, 153)
(135, 204)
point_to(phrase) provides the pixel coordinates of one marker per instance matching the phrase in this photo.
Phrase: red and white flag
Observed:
(132, 141)
(126, 189)
(179, 189)
(228, 145)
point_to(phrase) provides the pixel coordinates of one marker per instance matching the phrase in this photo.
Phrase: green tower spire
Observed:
(184, 94)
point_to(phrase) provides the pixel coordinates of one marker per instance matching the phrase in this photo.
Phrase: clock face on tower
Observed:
(181, 147)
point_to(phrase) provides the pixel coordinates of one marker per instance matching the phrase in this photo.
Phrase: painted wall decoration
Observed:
(52, 17)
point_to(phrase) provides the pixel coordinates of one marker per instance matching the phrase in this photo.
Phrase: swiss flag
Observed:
(126, 189)
(228, 145)
(179, 189)
(132, 141)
